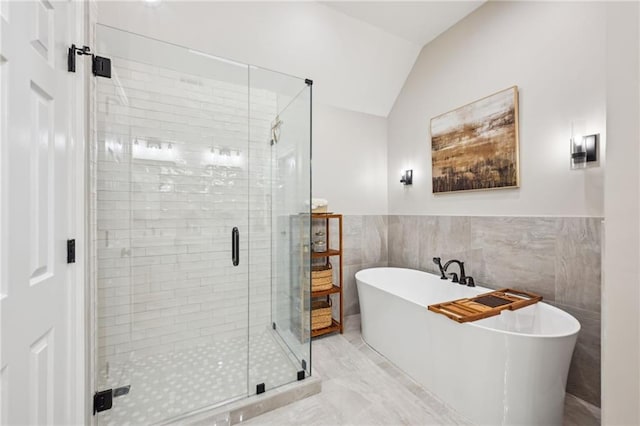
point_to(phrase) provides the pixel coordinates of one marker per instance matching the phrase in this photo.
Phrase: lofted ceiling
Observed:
(359, 54)
(416, 21)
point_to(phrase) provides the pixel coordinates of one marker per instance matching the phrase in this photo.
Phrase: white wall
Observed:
(620, 292)
(307, 39)
(350, 160)
(555, 53)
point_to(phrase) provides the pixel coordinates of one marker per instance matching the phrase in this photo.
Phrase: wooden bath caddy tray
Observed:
(485, 305)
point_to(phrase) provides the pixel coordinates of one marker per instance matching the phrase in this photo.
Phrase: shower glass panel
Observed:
(202, 229)
(280, 202)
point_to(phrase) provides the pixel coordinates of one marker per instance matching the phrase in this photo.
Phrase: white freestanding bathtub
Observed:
(510, 369)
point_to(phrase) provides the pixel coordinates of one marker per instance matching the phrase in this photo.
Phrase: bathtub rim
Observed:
(557, 311)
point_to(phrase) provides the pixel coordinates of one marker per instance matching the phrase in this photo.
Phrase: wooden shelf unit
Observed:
(335, 326)
(327, 253)
(333, 290)
(337, 323)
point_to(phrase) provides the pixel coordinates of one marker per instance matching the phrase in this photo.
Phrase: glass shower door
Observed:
(170, 160)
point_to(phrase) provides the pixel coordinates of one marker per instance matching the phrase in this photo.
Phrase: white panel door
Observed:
(35, 123)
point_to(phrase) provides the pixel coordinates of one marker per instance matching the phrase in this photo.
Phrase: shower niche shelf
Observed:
(331, 254)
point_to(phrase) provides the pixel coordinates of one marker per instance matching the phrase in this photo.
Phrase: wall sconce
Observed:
(407, 178)
(584, 151)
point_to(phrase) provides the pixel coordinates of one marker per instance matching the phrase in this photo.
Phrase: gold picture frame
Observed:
(476, 147)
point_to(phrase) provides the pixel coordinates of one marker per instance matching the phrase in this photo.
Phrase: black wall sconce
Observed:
(584, 151)
(407, 178)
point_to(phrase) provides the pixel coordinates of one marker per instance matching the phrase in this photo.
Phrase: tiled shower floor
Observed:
(167, 385)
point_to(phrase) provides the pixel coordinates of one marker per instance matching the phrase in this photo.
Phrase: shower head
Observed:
(436, 260)
(275, 130)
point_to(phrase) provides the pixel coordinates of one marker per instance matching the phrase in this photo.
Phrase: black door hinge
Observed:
(260, 388)
(71, 251)
(301, 375)
(71, 56)
(102, 401)
(100, 66)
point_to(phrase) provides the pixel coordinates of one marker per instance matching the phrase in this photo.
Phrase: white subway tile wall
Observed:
(181, 159)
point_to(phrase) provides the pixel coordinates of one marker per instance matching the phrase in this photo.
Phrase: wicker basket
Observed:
(321, 277)
(320, 314)
(320, 209)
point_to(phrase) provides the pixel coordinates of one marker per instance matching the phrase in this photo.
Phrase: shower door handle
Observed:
(235, 246)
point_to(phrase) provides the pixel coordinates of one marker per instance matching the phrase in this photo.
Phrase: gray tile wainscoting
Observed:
(365, 246)
(584, 374)
(557, 257)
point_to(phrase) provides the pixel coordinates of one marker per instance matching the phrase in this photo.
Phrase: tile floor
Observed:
(360, 387)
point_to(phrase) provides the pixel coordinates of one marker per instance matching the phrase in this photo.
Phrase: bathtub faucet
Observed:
(463, 278)
(436, 260)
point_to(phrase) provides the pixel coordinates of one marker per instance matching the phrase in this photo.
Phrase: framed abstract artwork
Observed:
(475, 147)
